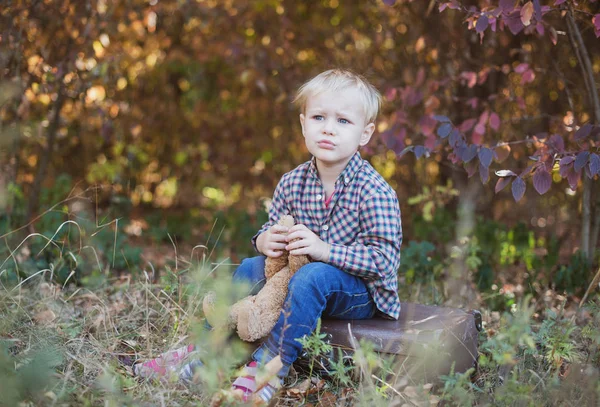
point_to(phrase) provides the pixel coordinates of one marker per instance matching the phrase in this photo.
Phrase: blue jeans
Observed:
(317, 289)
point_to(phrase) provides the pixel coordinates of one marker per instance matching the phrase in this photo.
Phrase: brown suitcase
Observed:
(426, 341)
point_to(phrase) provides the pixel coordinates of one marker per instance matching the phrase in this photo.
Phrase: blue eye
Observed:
(343, 121)
(318, 117)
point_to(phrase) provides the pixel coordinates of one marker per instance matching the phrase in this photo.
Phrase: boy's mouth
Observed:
(326, 144)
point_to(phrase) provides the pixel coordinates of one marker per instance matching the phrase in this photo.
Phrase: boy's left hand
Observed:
(308, 243)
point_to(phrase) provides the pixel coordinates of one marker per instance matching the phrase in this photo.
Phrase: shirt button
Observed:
(319, 197)
(325, 227)
(346, 180)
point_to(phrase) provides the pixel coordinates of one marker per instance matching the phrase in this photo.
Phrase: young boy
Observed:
(348, 222)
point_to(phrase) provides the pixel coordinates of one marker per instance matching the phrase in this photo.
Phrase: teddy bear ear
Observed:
(287, 221)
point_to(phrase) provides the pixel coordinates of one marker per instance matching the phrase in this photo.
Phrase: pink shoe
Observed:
(166, 365)
(248, 387)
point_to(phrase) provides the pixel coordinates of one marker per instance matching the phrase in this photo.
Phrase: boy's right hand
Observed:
(272, 241)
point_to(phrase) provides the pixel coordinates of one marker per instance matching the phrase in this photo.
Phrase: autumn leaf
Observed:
(527, 13)
(596, 22)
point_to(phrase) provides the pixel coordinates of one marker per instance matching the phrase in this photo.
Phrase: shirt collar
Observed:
(347, 174)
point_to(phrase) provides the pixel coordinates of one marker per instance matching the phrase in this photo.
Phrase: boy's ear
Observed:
(302, 122)
(367, 133)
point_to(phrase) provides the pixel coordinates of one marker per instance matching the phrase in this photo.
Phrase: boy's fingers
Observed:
(272, 253)
(277, 246)
(278, 229)
(278, 238)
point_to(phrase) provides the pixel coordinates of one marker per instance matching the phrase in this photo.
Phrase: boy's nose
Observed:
(328, 127)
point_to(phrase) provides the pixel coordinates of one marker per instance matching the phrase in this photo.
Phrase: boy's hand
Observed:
(308, 243)
(272, 242)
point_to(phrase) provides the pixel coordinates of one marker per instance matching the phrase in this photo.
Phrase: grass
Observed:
(65, 344)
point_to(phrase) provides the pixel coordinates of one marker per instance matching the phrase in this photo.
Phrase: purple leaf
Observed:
(594, 164)
(566, 160)
(389, 2)
(444, 130)
(513, 21)
(581, 160)
(559, 2)
(471, 167)
(454, 137)
(583, 132)
(441, 119)
(485, 156)
(482, 23)
(573, 178)
(507, 5)
(502, 183)
(468, 153)
(419, 151)
(484, 173)
(537, 8)
(557, 142)
(542, 181)
(564, 169)
(518, 188)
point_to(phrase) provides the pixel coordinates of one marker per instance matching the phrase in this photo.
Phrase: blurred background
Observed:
(153, 124)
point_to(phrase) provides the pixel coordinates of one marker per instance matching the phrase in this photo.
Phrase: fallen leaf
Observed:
(45, 317)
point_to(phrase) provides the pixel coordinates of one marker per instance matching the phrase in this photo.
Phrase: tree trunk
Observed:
(46, 155)
(588, 76)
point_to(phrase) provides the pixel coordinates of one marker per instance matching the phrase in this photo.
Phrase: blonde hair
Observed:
(340, 79)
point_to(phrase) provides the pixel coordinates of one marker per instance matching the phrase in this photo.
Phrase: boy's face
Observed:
(334, 126)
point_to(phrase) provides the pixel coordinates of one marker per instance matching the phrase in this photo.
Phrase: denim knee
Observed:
(251, 272)
(310, 275)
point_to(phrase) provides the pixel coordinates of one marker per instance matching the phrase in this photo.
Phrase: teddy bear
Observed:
(255, 315)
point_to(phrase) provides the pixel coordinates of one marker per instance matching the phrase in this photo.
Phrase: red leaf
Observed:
(596, 22)
(495, 121)
(528, 76)
(391, 94)
(502, 183)
(521, 67)
(526, 14)
(471, 78)
(542, 181)
(553, 35)
(502, 152)
(467, 125)
(518, 188)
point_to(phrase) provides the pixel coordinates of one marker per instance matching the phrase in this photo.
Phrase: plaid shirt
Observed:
(362, 223)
